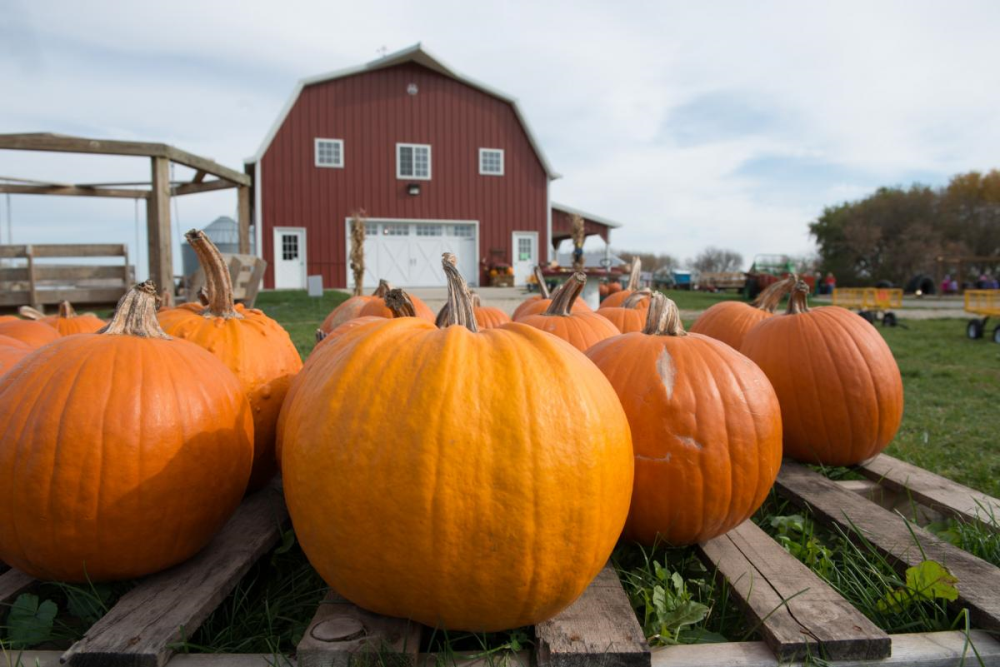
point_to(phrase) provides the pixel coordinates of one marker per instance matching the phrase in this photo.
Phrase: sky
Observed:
(730, 124)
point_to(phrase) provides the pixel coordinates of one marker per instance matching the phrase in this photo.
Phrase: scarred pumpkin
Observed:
(616, 295)
(730, 321)
(839, 386)
(581, 330)
(448, 467)
(131, 451)
(250, 344)
(706, 429)
(631, 315)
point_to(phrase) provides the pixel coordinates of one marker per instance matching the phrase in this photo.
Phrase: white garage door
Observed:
(407, 253)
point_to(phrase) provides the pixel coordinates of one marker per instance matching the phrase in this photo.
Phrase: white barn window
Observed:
(330, 153)
(413, 161)
(491, 161)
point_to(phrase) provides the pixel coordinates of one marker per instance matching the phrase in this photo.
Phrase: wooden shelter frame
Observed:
(157, 192)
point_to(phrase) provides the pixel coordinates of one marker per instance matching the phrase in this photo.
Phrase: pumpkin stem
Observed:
(217, 280)
(635, 298)
(135, 314)
(543, 287)
(382, 289)
(565, 296)
(798, 301)
(66, 310)
(399, 303)
(633, 276)
(663, 318)
(772, 295)
(29, 313)
(458, 310)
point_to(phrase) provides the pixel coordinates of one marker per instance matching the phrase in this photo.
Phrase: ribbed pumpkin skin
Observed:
(626, 320)
(488, 317)
(125, 456)
(839, 386)
(67, 326)
(344, 328)
(469, 507)
(706, 430)
(33, 333)
(345, 312)
(536, 305)
(261, 355)
(616, 299)
(12, 351)
(377, 308)
(9, 318)
(729, 321)
(581, 330)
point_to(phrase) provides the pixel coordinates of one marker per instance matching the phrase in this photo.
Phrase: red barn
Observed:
(437, 161)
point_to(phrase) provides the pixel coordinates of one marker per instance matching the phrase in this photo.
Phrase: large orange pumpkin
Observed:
(730, 321)
(397, 301)
(839, 386)
(581, 330)
(68, 322)
(424, 482)
(616, 295)
(631, 315)
(351, 308)
(706, 429)
(12, 351)
(124, 453)
(252, 345)
(35, 334)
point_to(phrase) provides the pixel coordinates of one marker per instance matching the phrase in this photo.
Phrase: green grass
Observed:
(688, 300)
(299, 313)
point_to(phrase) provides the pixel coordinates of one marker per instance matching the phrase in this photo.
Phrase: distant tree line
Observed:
(895, 234)
(709, 260)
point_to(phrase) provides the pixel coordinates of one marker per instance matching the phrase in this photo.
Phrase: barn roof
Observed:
(421, 56)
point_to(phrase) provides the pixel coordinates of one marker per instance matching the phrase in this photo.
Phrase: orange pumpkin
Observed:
(351, 308)
(631, 315)
(35, 334)
(29, 313)
(538, 303)
(9, 318)
(486, 317)
(132, 450)
(12, 351)
(396, 300)
(730, 321)
(581, 330)
(616, 295)
(250, 344)
(68, 322)
(839, 386)
(448, 466)
(377, 307)
(706, 429)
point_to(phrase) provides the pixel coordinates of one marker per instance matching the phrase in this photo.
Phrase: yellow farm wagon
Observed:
(986, 304)
(872, 303)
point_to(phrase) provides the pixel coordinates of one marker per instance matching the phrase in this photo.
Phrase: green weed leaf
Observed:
(686, 613)
(30, 623)
(931, 580)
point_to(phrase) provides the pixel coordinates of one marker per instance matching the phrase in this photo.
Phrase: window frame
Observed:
(324, 165)
(503, 161)
(399, 163)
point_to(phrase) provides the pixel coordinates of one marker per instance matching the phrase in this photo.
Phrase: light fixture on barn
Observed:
(413, 189)
(412, 89)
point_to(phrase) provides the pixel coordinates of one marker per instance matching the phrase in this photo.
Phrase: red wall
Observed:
(371, 112)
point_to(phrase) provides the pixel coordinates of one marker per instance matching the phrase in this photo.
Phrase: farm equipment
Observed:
(872, 303)
(986, 303)
(767, 269)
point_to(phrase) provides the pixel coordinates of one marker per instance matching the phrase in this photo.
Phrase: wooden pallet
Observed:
(798, 614)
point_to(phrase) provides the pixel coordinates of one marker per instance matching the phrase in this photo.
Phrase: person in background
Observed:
(953, 286)
(946, 284)
(829, 283)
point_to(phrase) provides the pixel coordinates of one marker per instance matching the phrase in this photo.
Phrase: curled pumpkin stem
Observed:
(135, 314)
(634, 274)
(399, 303)
(635, 298)
(798, 301)
(29, 313)
(459, 306)
(565, 296)
(217, 280)
(772, 295)
(382, 289)
(543, 287)
(663, 318)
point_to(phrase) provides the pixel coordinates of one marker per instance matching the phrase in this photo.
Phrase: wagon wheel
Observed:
(996, 334)
(889, 320)
(974, 329)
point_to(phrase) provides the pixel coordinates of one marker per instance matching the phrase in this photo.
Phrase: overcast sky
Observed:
(725, 123)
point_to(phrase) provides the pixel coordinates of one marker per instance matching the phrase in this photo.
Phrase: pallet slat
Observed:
(813, 620)
(978, 581)
(600, 628)
(930, 649)
(13, 583)
(137, 630)
(340, 629)
(934, 491)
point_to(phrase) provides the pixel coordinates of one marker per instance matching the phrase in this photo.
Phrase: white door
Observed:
(407, 253)
(289, 258)
(525, 258)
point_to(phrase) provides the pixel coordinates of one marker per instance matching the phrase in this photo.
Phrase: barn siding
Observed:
(372, 112)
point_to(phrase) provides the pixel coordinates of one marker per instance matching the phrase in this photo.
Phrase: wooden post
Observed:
(243, 215)
(161, 264)
(32, 281)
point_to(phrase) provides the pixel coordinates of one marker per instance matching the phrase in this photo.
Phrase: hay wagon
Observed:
(986, 304)
(872, 303)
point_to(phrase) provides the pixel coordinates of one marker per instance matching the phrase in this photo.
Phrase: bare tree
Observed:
(650, 261)
(717, 260)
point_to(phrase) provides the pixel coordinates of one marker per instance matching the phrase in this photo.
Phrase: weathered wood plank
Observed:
(137, 630)
(161, 263)
(195, 188)
(73, 191)
(978, 581)
(341, 630)
(934, 491)
(797, 612)
(51, 659)
(50, 272)
(600, 628)
(931, 649)
(13, 583)
(64, 250)
(243, 218)
(53, 296)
